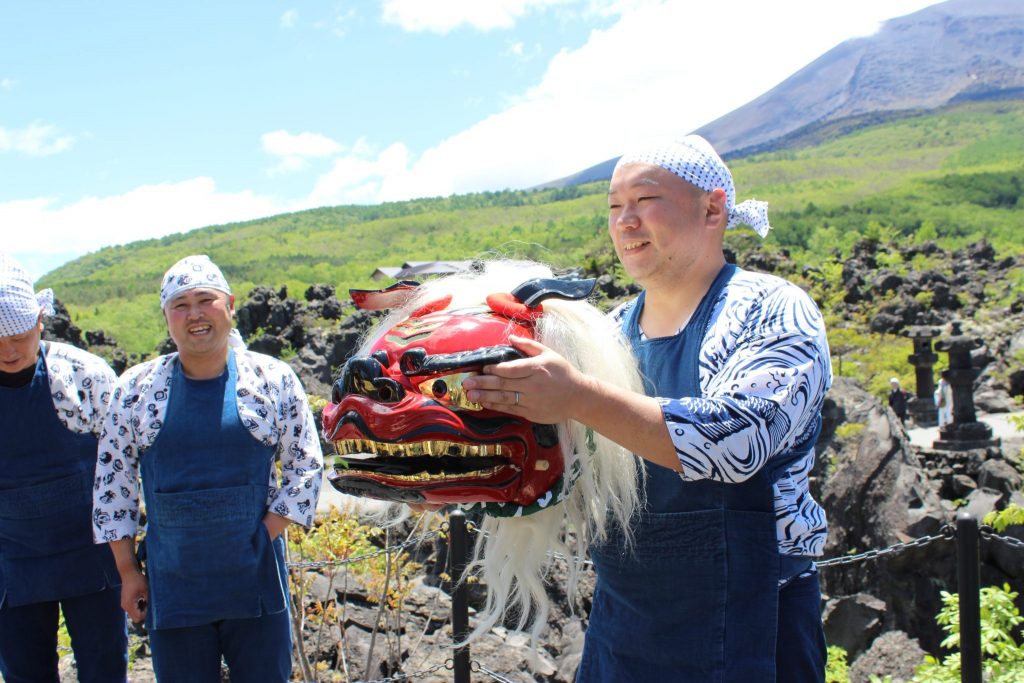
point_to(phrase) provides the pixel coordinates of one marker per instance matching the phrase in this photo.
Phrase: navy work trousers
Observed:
(257, 650)
(99, 639)
(800, 649)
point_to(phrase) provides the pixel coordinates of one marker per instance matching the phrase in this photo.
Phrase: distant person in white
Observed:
(944, 399)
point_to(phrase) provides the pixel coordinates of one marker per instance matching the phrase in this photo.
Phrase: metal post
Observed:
(969, 588)
(458, 559)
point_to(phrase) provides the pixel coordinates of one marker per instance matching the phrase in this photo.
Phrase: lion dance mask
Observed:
(405, 431)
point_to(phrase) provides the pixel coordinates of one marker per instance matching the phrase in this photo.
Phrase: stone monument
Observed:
(965, 432)
(922, 408)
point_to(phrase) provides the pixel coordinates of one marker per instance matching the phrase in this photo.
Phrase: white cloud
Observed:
(289, 19)
(664, 68)
(519, 51)
(294, 150)
(6, 83)
(283, 143)
(43, 226)
(358, 177)
(443, 16)
(37, 140)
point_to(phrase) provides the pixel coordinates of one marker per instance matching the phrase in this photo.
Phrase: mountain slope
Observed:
(953, 51)
(954, 175)
(961, 49)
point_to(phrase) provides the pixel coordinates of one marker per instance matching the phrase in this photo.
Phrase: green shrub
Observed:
(849, 429)
(1000, 519)
(1002, 655)
(836, 668)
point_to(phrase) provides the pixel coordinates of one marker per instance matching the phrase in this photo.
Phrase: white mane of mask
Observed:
(513, 554)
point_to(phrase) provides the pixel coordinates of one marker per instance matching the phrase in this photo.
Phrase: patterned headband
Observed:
(192, 272)
(20, 305)
(694, 160)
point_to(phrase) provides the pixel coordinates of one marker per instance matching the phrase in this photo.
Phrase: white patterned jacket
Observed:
(764, 371)
(272, 405)
(80, 386)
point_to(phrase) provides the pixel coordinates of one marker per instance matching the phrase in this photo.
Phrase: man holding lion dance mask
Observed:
(719, 582)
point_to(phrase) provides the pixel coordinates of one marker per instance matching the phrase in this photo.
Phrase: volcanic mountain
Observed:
(946, 53)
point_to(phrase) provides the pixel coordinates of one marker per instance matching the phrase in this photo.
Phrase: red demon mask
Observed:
(400, 419)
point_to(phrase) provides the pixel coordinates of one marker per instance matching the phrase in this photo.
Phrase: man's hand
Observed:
(275, 523)
(545, 388)
(542, 388)
(134, 586)
(135, 595)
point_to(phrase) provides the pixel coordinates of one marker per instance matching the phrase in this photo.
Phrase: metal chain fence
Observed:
(948, 533)
(988, 533)
(448, 664)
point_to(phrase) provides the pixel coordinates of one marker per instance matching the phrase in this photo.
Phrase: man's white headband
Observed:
(694, 160)
(19, 304)
(192, 272)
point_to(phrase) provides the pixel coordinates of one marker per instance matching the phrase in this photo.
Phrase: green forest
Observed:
(952, 176)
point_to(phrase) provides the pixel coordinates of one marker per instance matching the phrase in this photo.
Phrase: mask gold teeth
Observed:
(435, 449)
(461, 476)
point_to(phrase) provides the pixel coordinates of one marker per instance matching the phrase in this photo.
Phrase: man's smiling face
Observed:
(199, 321)
(656, 222)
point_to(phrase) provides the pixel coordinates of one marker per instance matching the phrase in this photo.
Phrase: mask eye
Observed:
(447, 390)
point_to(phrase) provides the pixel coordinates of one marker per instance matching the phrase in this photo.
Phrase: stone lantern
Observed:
(923, 359)
(965, 432)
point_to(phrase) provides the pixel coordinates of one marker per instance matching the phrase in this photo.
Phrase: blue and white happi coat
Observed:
(764, 371)
(271, 404)
(80, 386)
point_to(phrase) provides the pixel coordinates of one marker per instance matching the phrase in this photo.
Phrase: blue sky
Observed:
(122, 121)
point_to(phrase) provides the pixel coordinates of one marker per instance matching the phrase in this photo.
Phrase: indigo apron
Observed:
(695, 598)
(205, 481)
(46, 480)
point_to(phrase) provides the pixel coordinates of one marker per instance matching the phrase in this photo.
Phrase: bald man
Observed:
(718, 583)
